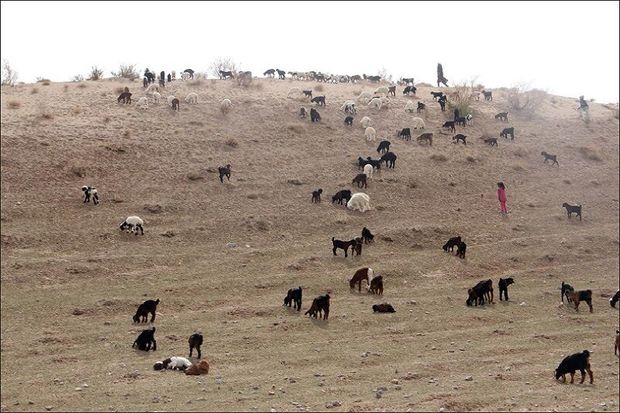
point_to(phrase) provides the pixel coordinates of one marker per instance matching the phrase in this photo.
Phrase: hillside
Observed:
(59, 255)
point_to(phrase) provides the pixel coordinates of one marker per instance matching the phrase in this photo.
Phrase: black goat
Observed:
(409, 90)
(491, 141)
(452, 242)
(461, 121)
(308, 93)
(316, 195)
(503, 284)
(392, 91)
(383, 308)
(549, 157)
(319, 100)
(225, 74)
(319, 305)
(348, 121)
(149, 306)
(303, 113)
(460, 249)
(293, 296)
(428, 137)
(224, 172)
(460, 137)
(343, 245)
(342, 196)
(502, 116)
(565, 290)
(314, 115)
(578, 296)
(405, 134)
(421, 107)
(450, 125)
(437, 95)
(481, 291)
(487, 95)
(572, 209)
(384, 146)
(145, 340)
(572, 363)
(508, 131)
(281, 74)
(376, 285)
(195, 341)
(368, 237)
(389, 159)
(612, 301)
(124, 97)
(442, 102)
(361, 180)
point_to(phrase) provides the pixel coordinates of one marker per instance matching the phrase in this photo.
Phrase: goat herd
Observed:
(480, 294)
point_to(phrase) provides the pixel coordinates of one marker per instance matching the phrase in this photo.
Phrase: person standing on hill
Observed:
(440, 78)
(501, 196)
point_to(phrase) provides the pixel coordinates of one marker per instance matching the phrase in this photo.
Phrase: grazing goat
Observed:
(383, 308)
(89, 192)
(303, 113)
(572, 209)
(142, 314)
(225, 74)
(460, 250)
(269, 72)
(316, 196)
(319, 100)
(368, 170)
(343, 195)
(384, 146)
(436, 95)
(195, 341)
(549, 157)
(281, 74)
(409, 90)
(191, 98)
(566, 289)
(491, 141)
(365, 122)
(199, 368)
(508, 131)
(359, 276)
(421, 107)
(442, 103)
(145, 340)
(319, 304)
(488, 95)
(427, 137)
(367, 236)
(450, 125)
(578, 296)
(357, 248)
(503, 284)
(612, 301)
(482, 290)
(133, 224)
(124, 97)
(343, 245)
(293, 296)
(375, 163)
(460, 137)
(349, 107)
(359, 201)
(405, 134)
(572, 363)
(452, 242)
(175, 104)
(376, 285)
(502, 116)
(224, 172)
(370, 133)
(307, 93)
(392, 91)
(389, 159)
(461, 121)
(361, 181)
(348, 121)
(314, 115)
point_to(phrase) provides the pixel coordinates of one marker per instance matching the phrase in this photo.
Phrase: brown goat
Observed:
(359, 276)
(361, 180)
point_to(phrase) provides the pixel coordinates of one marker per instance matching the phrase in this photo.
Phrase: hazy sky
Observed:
(566, 48)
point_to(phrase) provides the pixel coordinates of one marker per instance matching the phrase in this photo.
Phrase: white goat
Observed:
(410, 106)
(359, 201)
(143, 103)
(418, 123)
(365, 122)
(370, 133)
(191, 97)
(368, 170)
(375, 103)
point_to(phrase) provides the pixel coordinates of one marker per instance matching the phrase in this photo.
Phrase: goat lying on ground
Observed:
(376, 285)
(572, 209)
(202, 367)
(195, 341)
(359, 276)
(145, 340)
(503, 287)
(549, 157)
(319, 305)
(343, 245)
(367, 236)
(577, 361)
(316, 195)
(142, 314)
(383, 308)
(452, 242)
(578, 296)
(565, 290)
(293, 296)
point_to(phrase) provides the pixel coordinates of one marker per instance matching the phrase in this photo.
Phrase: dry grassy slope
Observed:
(51, 265)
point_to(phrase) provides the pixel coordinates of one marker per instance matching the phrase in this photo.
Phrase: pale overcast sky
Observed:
(566, 48)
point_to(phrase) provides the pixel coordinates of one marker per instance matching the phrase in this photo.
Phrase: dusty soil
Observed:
(60, 255)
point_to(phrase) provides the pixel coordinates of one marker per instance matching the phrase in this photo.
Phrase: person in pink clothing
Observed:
(501, 195)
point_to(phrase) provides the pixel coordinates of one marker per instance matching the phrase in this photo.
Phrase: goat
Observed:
(357, 248)
(293, 296)
(376, 285)
(314, 115)
(405, 134)
(149, 306)
(316, 196)
(508, 131)
(572, 209)
(134, 224)
(461, 121)
(490, 141)
(450, 125)
(612, 301)
(488, 95)
(224, 172)
(367, 236)
(437, 95)
(503, 284)
(452, 242)
(359, 276)
(348, 121)
(88, 192)
(343, 195)
(361, 181)
(409, 90)
(195, 341)
(225, 74)
(303, 113)
(199, 368)
(549, 157)
(376, 163)
(389, 159)
(565, 290)
(343, 245)
(392, 91)
(502, 116)
(319, 100)
(175, 104)
(421, 107)
(281, 74)
(577, 361)
(460, 137)
(145, 340)
(384, 146)
(383, 308)
(578, 296)
(442, 102)
(482, 290)
(319, 304)
(124, 97)
(308, 93)
(428, 137)
(460, 249)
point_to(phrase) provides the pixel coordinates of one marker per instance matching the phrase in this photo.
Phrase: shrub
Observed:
(222, 63)
(13, 104)
(126, 72)
(423, 84)
(590, 154)
(44, 112)
(385, 75)
(525, 101)
(461, 98)
(439, 157)
(9, 76)
(95, 73)
(78, 78)
(231, 142)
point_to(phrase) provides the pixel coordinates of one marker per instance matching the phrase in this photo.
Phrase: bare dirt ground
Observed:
(59, 255)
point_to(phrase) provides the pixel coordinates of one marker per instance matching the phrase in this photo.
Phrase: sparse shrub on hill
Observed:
(296, 128)
(439, 157)
(525, 101)
(590, 154)
(95, 73)
(385, 75)
(461, 98)
(82, 85)
(423, 84)
(43, 81)
(222, 63)
(44, 112)
(231, 142)
(126, 72)
(9, 76)
(78, 78)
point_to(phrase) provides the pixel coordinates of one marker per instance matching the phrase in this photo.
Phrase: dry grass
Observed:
(527, 102)
(439, 157)
(82, 85)
(13, 104)
(34, 91)
(231, 142)
(319, 88)
(591, 154)
(296, 128)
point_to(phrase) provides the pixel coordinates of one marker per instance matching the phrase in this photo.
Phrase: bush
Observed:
(525, 101)
(231, 142)
(222, 63)
(126, 72)
(13, 104)
(9, 76)
(95, 73)
(461, 98)
(385, 75)
(78, 78)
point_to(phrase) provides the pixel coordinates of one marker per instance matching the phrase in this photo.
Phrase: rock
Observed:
(78, 389)
(442, 409)
(48, 408)
(85, 385)
(77, 311)
(30, 402)
(394, 381)
(522, 303)
(398, 387)
(335, 403)
(231, 245)
(271, 392)
(469, 378)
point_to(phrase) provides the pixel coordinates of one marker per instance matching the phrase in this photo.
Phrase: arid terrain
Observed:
(71, 280)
